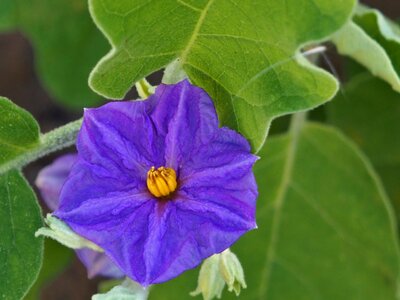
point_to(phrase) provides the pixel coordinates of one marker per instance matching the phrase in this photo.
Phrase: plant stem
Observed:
(144, 88)
(52, 141)
(297, 121)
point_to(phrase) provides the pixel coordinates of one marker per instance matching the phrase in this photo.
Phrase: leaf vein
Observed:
(196, 30)
(189, 5)
(278, 204)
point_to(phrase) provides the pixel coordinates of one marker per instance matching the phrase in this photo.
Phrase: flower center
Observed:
(161, 182)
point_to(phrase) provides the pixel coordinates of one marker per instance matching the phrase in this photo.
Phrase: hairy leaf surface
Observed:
(20, 251)
(243, 53)
(19, 131)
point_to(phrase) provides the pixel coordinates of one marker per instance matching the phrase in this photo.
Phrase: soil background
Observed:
(18, 81)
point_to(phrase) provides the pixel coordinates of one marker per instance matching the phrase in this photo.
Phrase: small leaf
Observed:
(243, 53)
(20, 252)
(326, 229)
(374, 124)
(66, 42)
(373, 41)
(19, 132)
(128, 290)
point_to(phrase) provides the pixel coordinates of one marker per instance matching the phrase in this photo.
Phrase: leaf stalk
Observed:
(50, 142)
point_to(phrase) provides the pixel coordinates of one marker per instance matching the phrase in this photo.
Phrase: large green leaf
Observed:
(19, 132)
(326, 229)
(66, 42)
(374, 124)
(20, 252)
(373, 41)
(243, 53)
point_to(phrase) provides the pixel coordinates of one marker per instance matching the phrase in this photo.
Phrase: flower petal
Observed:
(185, 234)
(121, 138)
(120, 225)
(221, 173)
(226, 154)
(98, 264)
(51, 179)
(87, 181)
(103, 213)
(186, 117)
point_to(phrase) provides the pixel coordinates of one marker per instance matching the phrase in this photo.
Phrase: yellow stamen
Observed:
(161, 182)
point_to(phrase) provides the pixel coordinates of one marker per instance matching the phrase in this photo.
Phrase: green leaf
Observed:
(20, 252)
(327, 226)
(243, 53)
(66, 42)
(374, 41)
(326, 229)
(56, 259)
(374, 124)
(19, 132)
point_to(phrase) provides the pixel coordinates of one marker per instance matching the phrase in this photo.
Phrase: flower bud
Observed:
(218, 270)
(232, 271)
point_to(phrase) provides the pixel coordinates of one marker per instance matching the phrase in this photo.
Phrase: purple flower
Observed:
(158, 185)
(50, 181)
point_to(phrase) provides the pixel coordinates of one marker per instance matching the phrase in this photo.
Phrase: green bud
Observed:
(210, 282)
(62, 233)
(218, 270)
(232, 271)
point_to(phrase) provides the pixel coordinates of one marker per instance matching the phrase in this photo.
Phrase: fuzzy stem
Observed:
(52, 141)
(297, 121)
